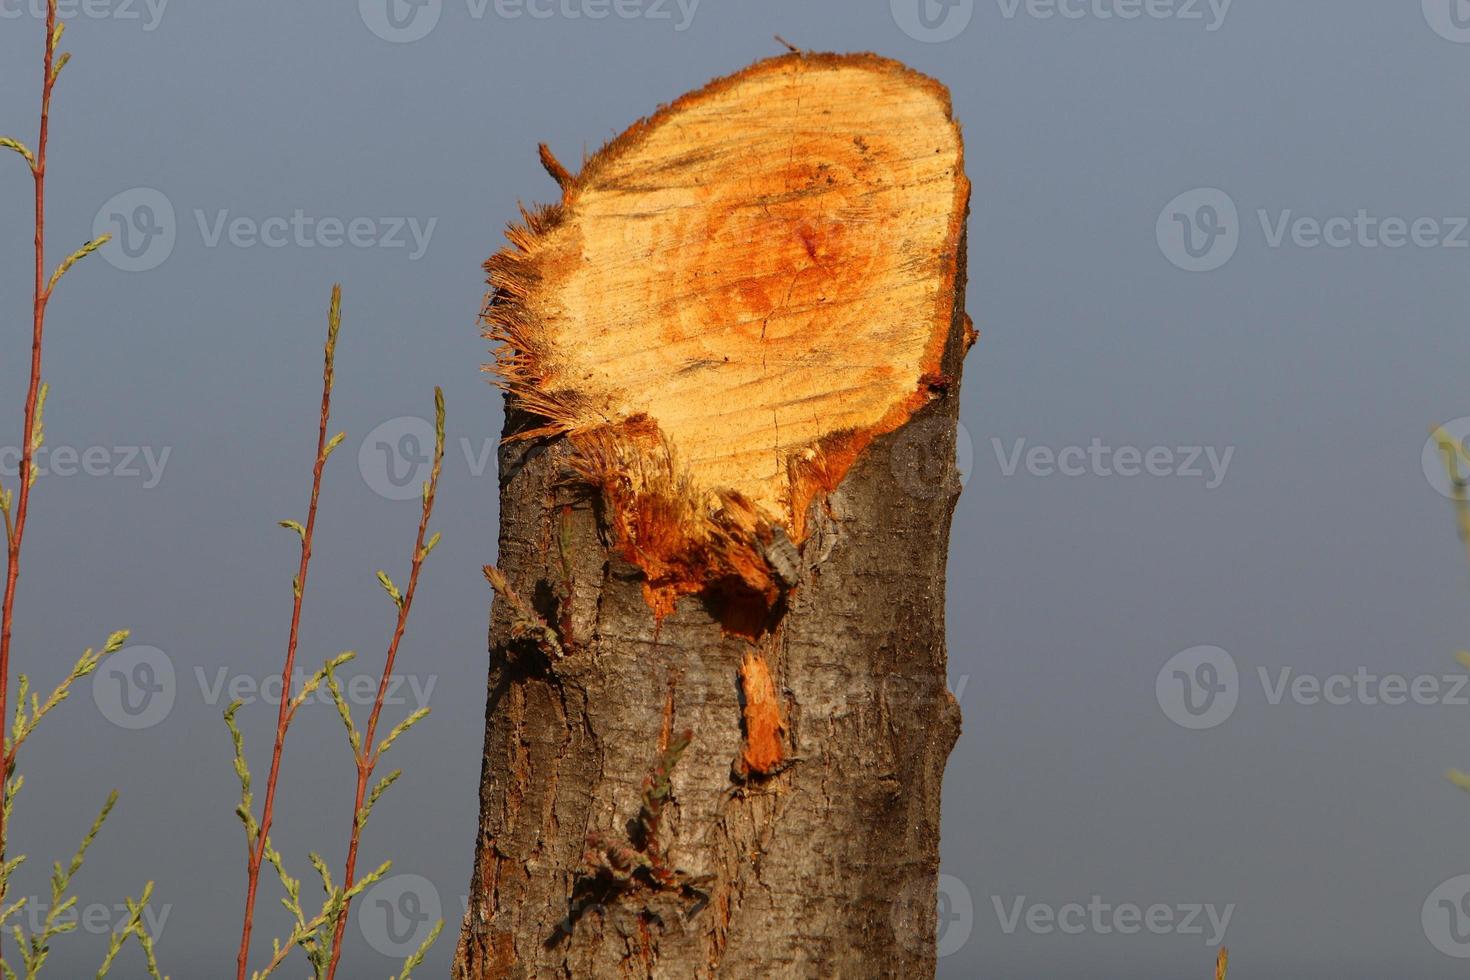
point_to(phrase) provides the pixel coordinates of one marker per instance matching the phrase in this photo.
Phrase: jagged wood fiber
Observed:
(800, 838)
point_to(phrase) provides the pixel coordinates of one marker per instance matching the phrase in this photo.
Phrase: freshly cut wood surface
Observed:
(755, 282)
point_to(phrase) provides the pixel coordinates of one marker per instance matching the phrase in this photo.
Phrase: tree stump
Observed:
(717, 717)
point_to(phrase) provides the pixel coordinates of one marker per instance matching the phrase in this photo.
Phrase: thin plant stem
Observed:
(16, 526)
(15, 507)
(368, 755)
(287, 709)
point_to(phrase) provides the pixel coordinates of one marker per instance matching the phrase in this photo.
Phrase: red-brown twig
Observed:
(324, 448)
(15, 527)
(370, 752)
(15, 506)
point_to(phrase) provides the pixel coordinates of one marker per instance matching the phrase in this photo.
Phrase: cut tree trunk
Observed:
(718, 717)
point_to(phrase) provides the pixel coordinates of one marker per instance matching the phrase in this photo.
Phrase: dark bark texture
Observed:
(827, 868)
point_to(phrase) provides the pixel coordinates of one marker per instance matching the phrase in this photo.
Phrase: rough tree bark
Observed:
(732, 355)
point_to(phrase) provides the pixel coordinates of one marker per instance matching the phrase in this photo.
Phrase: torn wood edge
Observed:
(688, 541)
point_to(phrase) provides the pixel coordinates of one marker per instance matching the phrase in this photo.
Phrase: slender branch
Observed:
(41, 295)
(287, 711)
(370, 752)
(15, 511)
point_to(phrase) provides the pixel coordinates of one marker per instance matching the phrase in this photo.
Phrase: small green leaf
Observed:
(6, 143)
(38, 427)
(400, 728)
(390, 588)
(76, 257)
(417, 959)
(1459, 779)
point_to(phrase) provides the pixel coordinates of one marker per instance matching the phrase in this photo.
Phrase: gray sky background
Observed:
(1327, 829)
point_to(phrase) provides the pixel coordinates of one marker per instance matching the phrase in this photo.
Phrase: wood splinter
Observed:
(764, 750)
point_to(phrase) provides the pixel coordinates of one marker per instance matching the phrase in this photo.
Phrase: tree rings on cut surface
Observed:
(731, 301)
